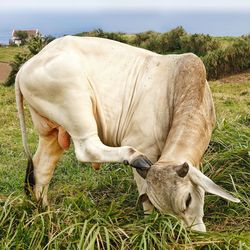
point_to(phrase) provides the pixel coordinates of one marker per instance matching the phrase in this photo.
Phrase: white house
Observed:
(16, 40)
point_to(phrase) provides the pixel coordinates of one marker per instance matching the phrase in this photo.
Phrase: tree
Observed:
(36, 44)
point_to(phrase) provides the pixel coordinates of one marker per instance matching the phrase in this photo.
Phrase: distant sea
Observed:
(215, 23)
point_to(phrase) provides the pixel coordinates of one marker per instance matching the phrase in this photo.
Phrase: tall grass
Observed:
(100, 209)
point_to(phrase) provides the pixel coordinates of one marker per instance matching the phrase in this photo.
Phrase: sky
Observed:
(60, 17)
(126, 4)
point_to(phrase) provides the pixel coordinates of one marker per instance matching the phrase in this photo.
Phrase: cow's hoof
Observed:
(141, 162)
(29, 179)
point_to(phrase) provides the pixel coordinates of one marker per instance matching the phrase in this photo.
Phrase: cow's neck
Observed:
(186, 141)
(190, 130)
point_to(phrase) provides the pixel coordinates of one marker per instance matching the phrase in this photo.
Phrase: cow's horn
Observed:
(208, 185)
(182, 170)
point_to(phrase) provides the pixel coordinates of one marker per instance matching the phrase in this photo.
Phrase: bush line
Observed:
(219, 59)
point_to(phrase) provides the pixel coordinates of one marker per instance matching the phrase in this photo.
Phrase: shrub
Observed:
(109, 35)
(19, 60)
(153, 44)
(171, 41)
(232, 59)
(238, 55)
(198, 44)
(142, 37)
(148, 40)
(212, 63)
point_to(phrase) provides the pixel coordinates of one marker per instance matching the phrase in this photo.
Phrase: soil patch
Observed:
(4, 71)
(237, 78)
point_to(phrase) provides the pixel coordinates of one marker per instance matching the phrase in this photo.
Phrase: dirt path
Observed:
(4, 71)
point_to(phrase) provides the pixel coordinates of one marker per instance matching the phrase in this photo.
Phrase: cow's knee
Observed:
(86, 150)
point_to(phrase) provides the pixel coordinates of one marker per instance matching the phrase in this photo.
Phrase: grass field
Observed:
(7, 53)
(99, 209)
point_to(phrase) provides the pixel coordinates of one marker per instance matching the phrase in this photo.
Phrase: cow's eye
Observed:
(188, 201)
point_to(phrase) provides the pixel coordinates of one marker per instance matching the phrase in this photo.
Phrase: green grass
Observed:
(7, 53)
(99, 209)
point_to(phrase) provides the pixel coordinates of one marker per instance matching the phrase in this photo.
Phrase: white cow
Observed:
(122, 104)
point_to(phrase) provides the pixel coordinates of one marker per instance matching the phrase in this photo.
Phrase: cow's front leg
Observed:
(91, 149)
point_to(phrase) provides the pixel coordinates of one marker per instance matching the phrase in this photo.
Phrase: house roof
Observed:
(29, 32)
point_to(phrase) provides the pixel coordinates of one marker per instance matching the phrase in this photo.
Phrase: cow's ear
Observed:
(208, 185)
(182, 170)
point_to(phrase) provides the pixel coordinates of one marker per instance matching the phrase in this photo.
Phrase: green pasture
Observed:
(7, 53)
(100, 209)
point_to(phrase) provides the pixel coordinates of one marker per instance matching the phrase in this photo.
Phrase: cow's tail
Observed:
(29, 178)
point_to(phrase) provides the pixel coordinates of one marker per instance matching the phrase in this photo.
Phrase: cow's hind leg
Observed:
(50, 148)
(45, 160)
(29, 182)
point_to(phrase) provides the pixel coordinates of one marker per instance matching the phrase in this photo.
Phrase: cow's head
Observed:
(179, 190)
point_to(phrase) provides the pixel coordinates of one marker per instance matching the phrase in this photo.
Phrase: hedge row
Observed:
(232, 59)
(220, 60)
